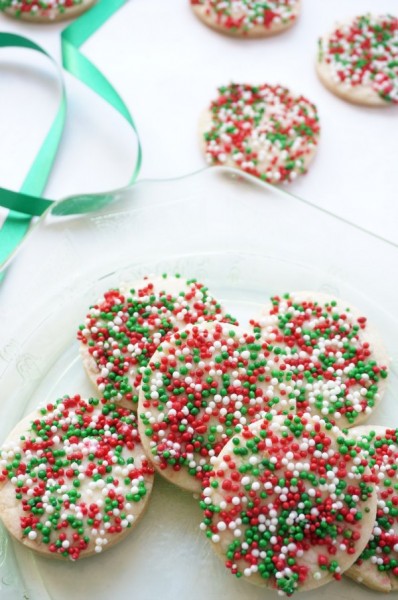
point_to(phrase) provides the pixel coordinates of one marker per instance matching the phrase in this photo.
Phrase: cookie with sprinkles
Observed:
(263, 130)
(289, 504)
(73, 478)
(202, 386)
(358, 60)
(377, 566)
(330, 354)
(123, 329)
(247, 18)
(45, 11)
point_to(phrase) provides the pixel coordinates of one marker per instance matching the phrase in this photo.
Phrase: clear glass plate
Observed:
(246, 241)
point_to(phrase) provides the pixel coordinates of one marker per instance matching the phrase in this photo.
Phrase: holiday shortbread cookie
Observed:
(264, 130)
(201, 387)
(247, 18)
(358, 60)
(330, 354)
(45, 11)
(74, 478)
(289, 503)
(377, 566)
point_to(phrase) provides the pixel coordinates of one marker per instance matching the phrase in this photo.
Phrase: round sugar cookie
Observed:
(74, 479)
(358, 60)
(123, 329)
(288, 505)
(201, 386)
(45, 11)
(377, 566)
(247, 18)
(332, 357)
(263, 130)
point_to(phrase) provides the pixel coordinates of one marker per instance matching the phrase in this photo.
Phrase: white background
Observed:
(167, 66)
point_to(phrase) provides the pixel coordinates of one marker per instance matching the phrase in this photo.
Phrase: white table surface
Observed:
(167, 65)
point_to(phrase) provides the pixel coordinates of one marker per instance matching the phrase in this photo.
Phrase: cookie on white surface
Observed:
(45, 11)
(123, 329)
(288, 505)
(264, 130)
(74, 479)
(201, 387)
(330, 354)
(358, 60)
(377, 566)
(247, 18)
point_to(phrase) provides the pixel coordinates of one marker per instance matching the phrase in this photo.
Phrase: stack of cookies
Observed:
(262, 424)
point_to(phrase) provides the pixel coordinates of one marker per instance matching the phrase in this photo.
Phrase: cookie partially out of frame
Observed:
(247, 18)
(74, 479)
(45, 11)
(289, 504)
(377, 566)
(329, 353)
(358, 60)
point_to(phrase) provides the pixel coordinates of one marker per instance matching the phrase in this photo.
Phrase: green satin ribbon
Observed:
(16, 224)
(28, 202)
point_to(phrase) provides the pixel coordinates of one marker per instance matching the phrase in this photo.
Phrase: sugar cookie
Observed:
(124, 328)
(358, 61)
(201, 386)
(329, 353)
(45, 11)
(377, 566)
(263, 130)
(73, 478)
(247, 18)
(289, 504)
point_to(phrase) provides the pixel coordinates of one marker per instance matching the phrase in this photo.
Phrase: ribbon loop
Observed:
(28, 202)
(72, 38)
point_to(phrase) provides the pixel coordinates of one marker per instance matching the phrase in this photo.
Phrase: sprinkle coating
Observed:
(359, 60)
(247, 17)
(263, 130)
(45, 10)
(200, 388)
(73, 478)
(377, 566)
(123, 329)
(328, 353)
(288, 504)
